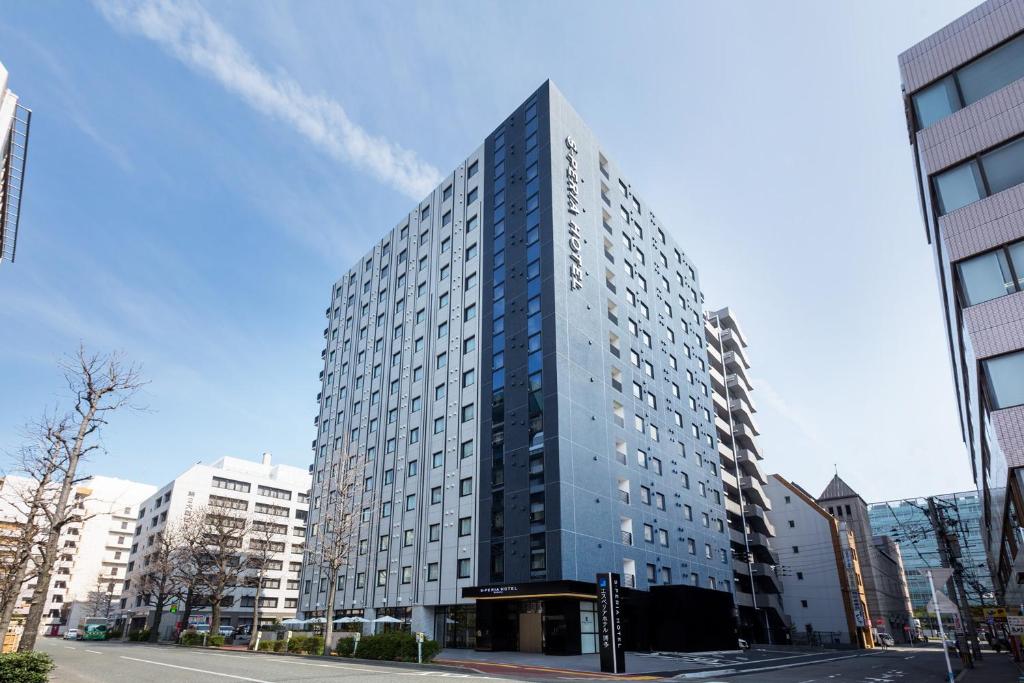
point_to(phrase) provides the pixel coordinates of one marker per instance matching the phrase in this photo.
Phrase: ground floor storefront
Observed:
(561, 618)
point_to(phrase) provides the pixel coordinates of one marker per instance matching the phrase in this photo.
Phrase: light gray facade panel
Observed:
(436, 230)
(587, 429)
(983, 27)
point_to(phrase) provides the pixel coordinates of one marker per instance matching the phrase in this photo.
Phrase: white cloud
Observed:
(188, 32)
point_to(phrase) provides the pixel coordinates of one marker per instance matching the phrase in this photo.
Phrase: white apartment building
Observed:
(92, 562)
(242, 488)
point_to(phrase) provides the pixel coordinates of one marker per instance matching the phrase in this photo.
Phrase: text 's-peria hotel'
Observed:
(517, 371)
(964, 96)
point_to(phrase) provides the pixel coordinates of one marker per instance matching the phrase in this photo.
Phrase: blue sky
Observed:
(199, 176)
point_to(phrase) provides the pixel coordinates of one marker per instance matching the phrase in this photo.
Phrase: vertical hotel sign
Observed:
(572, 200)
(613, 655)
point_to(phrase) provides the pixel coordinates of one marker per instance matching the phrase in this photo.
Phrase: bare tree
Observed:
(43, 465)
(101, 384)
(336, 531)
(266, 547)
(215, 550)
(100, 598)
(160, 582)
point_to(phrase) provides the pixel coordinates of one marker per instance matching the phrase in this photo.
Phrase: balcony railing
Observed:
(623, 496)
(627, 537)
(629, 581)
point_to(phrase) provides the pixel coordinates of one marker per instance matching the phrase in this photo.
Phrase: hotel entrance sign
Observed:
(613, 655)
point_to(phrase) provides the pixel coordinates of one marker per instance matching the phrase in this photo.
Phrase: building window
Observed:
(970, 83)
(464, 567)
(980, 177)
(991, 275)
(1004, 378)
(433, 571)
(434, 532)
(466, 486)
(465, 526)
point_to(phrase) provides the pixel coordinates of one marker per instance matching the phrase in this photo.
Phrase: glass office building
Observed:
(906, 522)
(517, 374)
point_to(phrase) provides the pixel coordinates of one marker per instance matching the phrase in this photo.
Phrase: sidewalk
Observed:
(993, 668)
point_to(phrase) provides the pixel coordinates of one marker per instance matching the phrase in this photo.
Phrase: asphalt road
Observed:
(897, 665)
(113, 662)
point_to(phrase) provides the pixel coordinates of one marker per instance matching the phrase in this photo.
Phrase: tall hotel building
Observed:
(516, 374)
(964, 96)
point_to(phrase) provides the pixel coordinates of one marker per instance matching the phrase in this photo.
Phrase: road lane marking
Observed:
(68, 647)
(202, 671)
(720, 672)
(95, 652)
(288, 660)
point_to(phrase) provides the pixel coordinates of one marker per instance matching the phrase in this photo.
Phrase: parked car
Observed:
(884, 639)
(71, 634)
(952, 647)
(202, 628)
(226, 631)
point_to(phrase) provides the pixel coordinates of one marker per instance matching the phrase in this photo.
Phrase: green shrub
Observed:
(296, 643)
(267, 645)
(394, 646)
(279, 645)
(315, 645)
(191, 638)
(137, 636)
(25, 667)
(215, 641)
(344, 647)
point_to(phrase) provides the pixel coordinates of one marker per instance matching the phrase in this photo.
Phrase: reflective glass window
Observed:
(936, 102)
(992, 71)
(1004, 167)
(985, 277)
(959, 186)
(1005, 376)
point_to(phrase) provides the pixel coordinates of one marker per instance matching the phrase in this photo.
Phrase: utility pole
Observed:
(952, 560)
(938, 618)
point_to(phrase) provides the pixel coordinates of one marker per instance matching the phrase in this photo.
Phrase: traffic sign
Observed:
(1015, 625)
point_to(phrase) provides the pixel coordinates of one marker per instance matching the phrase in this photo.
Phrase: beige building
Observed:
(821, 570)
(89, 574)
(885, 580)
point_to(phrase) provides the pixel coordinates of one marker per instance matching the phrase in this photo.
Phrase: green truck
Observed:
(95, 628)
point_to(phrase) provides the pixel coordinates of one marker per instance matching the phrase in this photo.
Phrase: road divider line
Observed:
(201, 671)
(95, 652)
